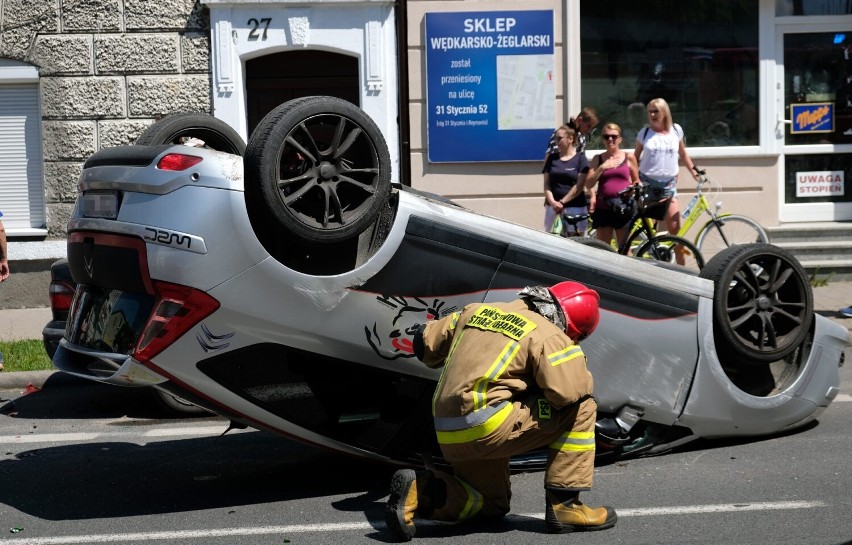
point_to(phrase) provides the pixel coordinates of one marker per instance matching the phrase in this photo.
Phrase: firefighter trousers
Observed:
(480, 485)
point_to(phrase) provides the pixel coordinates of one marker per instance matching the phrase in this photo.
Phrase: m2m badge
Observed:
(812, 117)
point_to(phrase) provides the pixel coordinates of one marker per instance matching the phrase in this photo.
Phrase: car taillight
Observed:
(61, 294)
(177, 161)
(176, 310)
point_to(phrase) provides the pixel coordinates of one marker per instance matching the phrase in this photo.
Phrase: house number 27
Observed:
(258, 28)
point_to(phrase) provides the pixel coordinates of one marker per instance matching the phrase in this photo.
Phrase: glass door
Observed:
(814, 120)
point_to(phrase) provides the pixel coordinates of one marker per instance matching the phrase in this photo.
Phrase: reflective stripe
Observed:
(575, 441)
(475, 501)
(455, 423)
(567, 354)
(480, 387)
(476, 432)
(454, 320)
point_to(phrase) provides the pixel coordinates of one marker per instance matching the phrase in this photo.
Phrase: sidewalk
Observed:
(16, 324)
(23, 323)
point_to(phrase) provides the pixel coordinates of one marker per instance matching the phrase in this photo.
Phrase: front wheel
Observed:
(763, 304)
(672, 249)
(636, 238)
(726, 231)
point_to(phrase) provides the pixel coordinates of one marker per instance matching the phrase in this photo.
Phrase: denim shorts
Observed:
(660, 189)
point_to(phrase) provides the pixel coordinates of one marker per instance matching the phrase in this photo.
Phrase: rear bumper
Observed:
(106, 367)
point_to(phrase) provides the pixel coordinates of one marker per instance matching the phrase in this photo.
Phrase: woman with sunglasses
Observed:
(561, 173)
(658, 147)
(612, 171)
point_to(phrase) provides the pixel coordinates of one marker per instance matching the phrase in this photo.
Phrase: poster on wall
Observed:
(812, 117)
(829, 183)
(490, 88)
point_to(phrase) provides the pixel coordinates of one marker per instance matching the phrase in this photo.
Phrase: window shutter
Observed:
(21, 160)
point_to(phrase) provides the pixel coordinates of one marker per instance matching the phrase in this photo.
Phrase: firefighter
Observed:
(513, 380)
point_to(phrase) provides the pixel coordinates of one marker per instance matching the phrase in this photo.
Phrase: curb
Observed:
(22, 379)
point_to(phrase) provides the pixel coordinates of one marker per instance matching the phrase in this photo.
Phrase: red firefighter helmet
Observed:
(580, 307)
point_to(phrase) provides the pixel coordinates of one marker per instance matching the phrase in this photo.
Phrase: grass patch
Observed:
(25, 356)
(817, 282)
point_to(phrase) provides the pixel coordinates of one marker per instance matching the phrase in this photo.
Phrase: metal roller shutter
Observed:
(21, 160)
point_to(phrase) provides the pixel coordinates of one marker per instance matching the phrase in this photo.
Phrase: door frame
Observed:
(364, 29)
(803, 212)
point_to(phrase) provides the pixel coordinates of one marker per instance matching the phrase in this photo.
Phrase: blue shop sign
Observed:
(491, 91)
(812, 117)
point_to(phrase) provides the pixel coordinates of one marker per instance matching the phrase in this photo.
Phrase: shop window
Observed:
(812, 7)
(817, 178)
(700, 56)
(818, 87)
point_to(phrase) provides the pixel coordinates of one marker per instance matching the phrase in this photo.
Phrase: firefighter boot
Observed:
(564, 512)
(422, 494)
(402, 504)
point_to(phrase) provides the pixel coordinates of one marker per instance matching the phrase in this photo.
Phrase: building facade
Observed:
(763, 89)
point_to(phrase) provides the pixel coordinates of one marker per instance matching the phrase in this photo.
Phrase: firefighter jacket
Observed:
(491, 354)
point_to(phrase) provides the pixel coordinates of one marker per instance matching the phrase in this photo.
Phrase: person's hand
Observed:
(557, 206)
(612, 162)
(4, 270)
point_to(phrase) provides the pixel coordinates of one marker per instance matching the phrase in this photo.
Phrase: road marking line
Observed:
(723, 508)
(47, 438)
(843, 397)
(169, 432)
(71, 437)
(372, 525)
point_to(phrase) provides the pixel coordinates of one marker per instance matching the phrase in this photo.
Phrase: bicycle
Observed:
(659, 246)
(722, 230)
(571, 230)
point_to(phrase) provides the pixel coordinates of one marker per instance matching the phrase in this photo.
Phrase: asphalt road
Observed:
(88, 463)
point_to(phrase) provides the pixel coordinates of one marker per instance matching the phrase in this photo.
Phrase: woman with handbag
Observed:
(561, 173)
(612, 171)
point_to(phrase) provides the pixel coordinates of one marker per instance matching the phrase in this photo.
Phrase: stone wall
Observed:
(108, 69)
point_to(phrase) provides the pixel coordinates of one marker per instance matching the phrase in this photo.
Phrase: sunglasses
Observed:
(611, 136)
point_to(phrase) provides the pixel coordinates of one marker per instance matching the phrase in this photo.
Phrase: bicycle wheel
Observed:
(636, 239)
(728, 230)
(667, 248)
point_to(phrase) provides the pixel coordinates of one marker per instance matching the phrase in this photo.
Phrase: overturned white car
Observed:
(281, 289)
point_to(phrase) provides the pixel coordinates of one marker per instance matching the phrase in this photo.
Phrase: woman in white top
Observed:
(658, 147)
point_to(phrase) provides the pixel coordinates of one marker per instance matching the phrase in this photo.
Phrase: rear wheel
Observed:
(193, 128)
(672, 249)
(729, 230)
(318, 169)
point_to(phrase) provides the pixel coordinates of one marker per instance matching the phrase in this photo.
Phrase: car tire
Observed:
(762, 303)
(318, 169)
(593, 243)
(177, 405)
(175, 128)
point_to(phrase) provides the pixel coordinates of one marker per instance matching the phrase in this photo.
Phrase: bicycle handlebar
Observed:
(636, 192)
